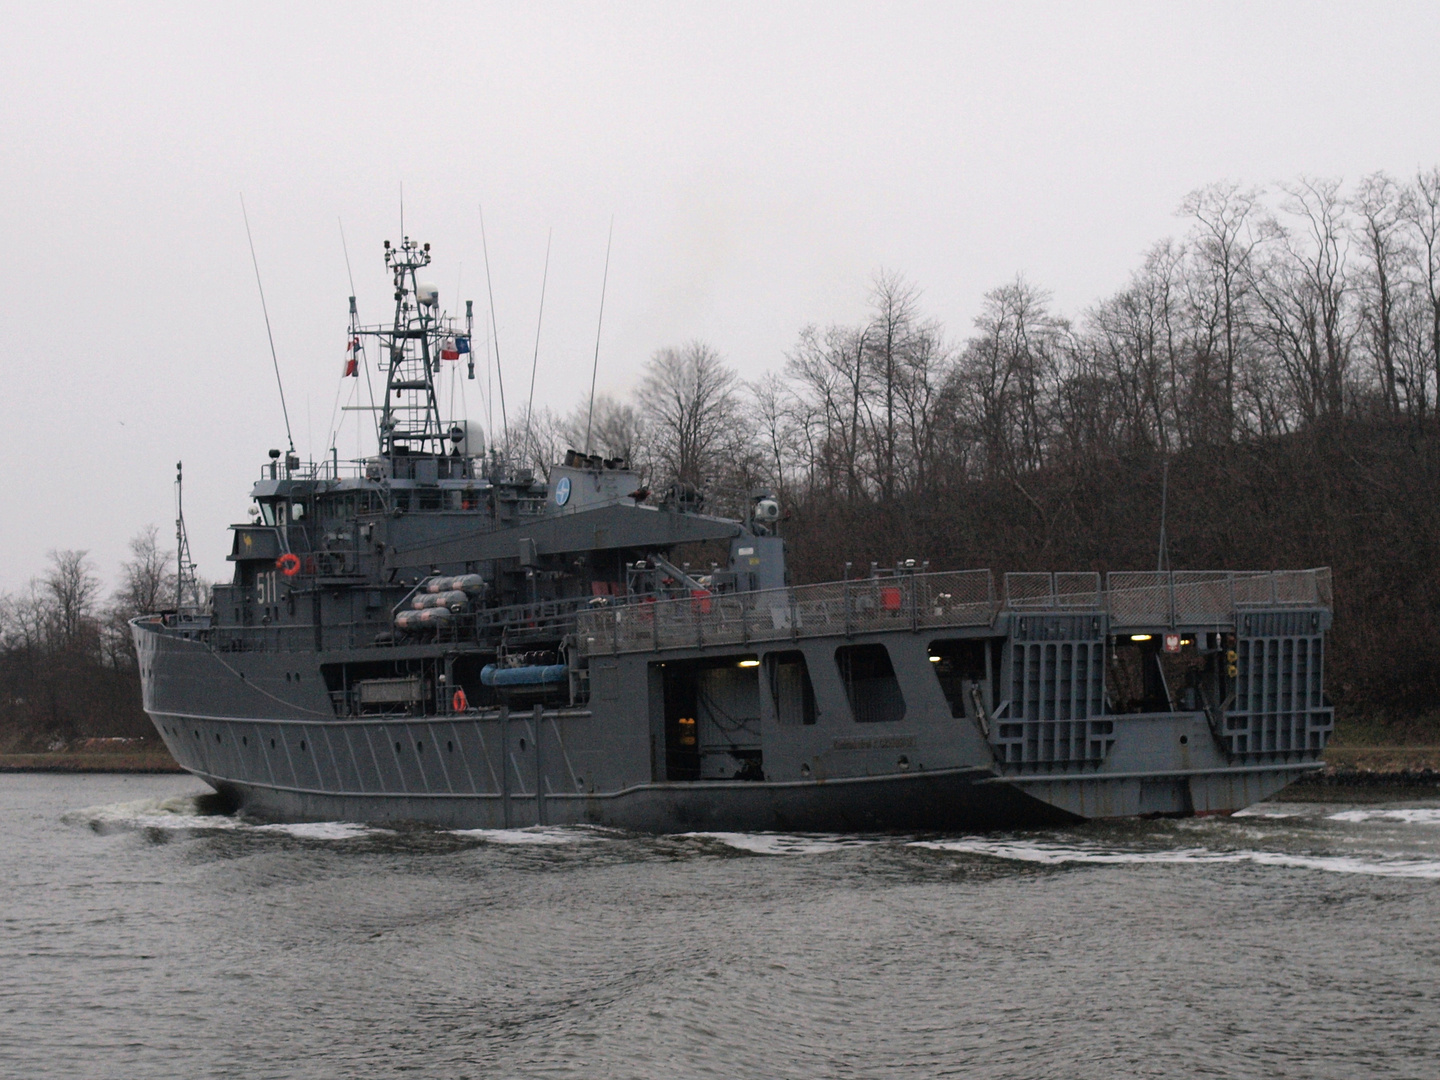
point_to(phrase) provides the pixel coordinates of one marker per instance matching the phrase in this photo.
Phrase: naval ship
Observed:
(431, 635)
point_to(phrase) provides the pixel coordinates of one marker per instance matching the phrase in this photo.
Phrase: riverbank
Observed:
(1382, 759)
(150, 760)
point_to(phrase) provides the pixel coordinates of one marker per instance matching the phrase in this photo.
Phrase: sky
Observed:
(760, 163)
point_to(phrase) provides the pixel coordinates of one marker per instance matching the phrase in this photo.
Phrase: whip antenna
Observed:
(1163, 558)
(494, 333)
(266, 311)
(595, 368)
(535, 362)
(354, 336)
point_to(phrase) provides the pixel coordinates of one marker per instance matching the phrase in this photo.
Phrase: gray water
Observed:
(141, 936)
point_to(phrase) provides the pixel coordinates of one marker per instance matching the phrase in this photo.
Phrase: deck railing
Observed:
(917, 601)
(905, 600)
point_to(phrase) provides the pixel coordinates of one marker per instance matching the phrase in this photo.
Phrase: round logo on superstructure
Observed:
(562, 491)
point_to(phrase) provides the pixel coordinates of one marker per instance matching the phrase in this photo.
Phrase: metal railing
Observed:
(1201, 597)
(905, 601)
(947, 599)
(913, 601)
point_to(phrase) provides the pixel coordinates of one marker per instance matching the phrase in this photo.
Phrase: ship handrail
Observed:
(931, 600)
(1130, 600)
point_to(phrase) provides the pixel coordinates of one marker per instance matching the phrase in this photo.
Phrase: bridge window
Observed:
(870, 683)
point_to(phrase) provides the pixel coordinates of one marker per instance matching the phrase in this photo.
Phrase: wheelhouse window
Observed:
(870, 683)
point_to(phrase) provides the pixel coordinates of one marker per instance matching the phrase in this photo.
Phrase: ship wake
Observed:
(1078, 854)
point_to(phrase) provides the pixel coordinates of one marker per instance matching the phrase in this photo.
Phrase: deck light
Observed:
(749, 663)
(1139, 637)
(934, 659)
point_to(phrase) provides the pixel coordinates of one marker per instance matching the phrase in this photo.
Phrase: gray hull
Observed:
(954, 800)
(254, 727)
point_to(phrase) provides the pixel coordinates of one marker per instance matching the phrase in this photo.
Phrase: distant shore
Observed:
(142, 761)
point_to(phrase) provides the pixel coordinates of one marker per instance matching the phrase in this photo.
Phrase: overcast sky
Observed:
(760, 162)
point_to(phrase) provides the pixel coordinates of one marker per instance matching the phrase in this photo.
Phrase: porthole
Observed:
(419, 747)
(449, 746)
(244, 740)
(302, 745)
(272, 744)
(1184, 739)
(522, 745)
(217, 736)
(397, 748)
(197, 734)
(287, 676)
(579, 781)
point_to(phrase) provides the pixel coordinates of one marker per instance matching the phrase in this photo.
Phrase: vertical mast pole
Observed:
(595, 367)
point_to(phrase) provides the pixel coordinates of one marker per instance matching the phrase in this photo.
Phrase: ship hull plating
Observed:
(254, 727)
(953, 800)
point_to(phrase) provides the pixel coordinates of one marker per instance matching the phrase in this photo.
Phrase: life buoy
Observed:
(288, 564)
(458, 702)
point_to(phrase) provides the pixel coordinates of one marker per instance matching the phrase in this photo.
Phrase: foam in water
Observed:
(318, 830)
(185, 813)
(783, 843)
(535, 835)
(1062, 854)
(1418, 816)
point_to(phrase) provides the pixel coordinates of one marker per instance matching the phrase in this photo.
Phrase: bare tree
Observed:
(1422, 215)
(782, 420)
(74, 589)
(1304, 299)
(1379, 205)
(147, 578)
(1007, 373)
(1137, 341)
(1223, 242)
(616, 431)
(888, 341)
(830, 372)
(691, 399)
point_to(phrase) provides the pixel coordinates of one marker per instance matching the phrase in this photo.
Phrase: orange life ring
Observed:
(288, 564)
(458, 702)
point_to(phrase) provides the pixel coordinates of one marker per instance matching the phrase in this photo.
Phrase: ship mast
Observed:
(410, 418)
(186, 585)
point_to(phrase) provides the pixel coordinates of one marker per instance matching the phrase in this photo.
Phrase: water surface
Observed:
(143, 936)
